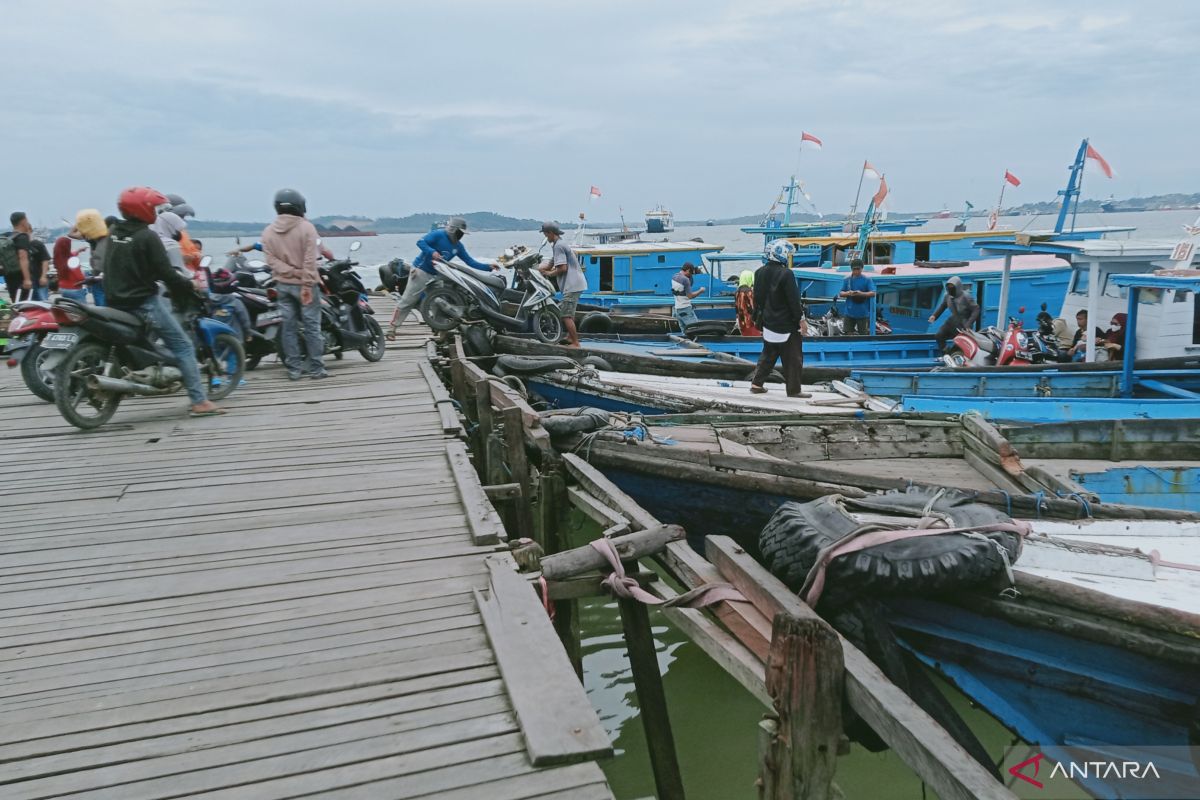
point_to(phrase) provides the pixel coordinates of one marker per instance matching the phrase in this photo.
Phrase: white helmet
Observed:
(781, 250)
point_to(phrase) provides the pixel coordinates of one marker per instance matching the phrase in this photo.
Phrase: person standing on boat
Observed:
(964, 312)
(857, 290)
(781, 317)
(442, 244)
(743, 301)
(564, 262)
(681, 287)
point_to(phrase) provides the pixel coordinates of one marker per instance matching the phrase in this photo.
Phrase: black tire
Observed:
(597, 362)
(792, 539)
(71, 391)
(707, 327)
(224, 366)
(476, 341)
(533, 365)
(435, 316)
(374, 349)
(40, 382)
(252, 362)
(596, 322)
(548, 326)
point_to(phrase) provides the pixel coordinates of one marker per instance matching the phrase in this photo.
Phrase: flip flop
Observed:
(216, 412)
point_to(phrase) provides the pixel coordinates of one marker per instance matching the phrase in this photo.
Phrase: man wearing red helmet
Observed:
(134, 264)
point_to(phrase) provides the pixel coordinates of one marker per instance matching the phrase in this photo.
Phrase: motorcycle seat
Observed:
(114, 315)
(986, 343)
(492, 280)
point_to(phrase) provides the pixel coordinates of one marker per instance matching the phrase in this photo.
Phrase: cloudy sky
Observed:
(386, 108)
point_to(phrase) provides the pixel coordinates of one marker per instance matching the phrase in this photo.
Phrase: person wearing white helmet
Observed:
(781, 318)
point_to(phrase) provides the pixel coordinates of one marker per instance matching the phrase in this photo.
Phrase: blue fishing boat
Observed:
(775, 226)
(1052, 409)
(636, 277)
(1007, 383)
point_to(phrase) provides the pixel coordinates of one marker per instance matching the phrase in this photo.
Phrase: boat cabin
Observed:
(641, 267)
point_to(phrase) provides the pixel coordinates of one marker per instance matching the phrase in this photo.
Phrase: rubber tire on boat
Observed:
(596, 322)
(476, 341)
(531, 365)
(707, 327)
(597, 362)
(797, 532)
(582, 420)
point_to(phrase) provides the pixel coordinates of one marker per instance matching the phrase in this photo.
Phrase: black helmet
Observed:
(289, 201)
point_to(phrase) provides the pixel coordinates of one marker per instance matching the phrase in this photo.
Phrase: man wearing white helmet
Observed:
(781, 318)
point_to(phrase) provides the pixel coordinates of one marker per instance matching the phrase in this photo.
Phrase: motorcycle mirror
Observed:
(204, 262)
(73, 262)
(355, 246)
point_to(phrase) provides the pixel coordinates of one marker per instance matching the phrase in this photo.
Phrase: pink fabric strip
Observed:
(1157, 560)
(623, 586)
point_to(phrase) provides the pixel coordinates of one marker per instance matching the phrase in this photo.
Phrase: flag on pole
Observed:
(1013, 179)
(595, 192)
(805, 136)
(869, 170)
(882, 193)
(1099, 159)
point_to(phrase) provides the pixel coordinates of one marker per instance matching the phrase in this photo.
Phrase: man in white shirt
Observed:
(564, 262)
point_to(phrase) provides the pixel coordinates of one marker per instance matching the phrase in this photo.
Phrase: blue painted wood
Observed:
(1053, 409)
(579, 397)
(1161, 487)
(1008, 383)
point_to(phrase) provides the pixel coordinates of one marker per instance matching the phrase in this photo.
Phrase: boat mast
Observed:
(1074, 182)
(857, 193)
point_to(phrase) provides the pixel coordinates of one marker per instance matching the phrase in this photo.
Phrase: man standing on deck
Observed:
(964, 312)
(19, 275)
(781, 318)
(438, 245)
(681, 287)
(564, 262)
(857, 291)
(290, 245)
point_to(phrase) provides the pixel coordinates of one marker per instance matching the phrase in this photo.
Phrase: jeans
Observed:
(241, 317)
(294, 316)
(98, 294)
(792, 354)
(417, 281)
(686, 316)
(78, 295)
(157, 310)
(41, 293)
(857, 326)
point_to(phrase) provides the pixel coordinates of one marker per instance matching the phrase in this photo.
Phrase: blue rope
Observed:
(1087, 507)
(1038, 499)
(1007, 502)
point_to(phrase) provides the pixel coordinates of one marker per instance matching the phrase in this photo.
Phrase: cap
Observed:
(551, 227)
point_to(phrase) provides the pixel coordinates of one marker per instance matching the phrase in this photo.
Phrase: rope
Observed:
(622, 586)
(1007, 501)
(1038, 499)
(1157, 560)
(546, 604)
(1084, 504)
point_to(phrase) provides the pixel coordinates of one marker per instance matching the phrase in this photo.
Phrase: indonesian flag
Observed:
(595, 192)
(1093, 154)
(882, 193)
(805, 136)
(869, 170)
(1013, 179)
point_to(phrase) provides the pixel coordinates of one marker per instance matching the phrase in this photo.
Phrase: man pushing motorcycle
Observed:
(135, 262)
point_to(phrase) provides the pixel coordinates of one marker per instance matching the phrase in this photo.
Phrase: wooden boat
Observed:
(999, 382)
(676, 357)
(1052, 409)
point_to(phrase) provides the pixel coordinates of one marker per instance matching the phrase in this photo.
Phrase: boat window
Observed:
(881, 253)
(922, 251)
(662, 259)
(888, 298)
(1080, 281)
(1150, 296)
(1112, 290)
(908, 297)
(606, 274)
(1181, 295)
(927, 296)
(594, 259)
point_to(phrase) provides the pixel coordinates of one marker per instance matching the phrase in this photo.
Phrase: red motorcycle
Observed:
(991, 348)
(31, 321)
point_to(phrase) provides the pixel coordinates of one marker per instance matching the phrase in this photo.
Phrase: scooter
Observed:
(102, 355)
(991, 347)
(462, 294)
(31, 322)
(347, 319)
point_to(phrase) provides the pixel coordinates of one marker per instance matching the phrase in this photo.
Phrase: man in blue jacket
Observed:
(438, 245)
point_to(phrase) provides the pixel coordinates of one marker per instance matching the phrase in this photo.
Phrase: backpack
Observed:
(9, 263)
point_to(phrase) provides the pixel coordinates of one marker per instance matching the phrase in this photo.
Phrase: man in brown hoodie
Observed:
(290, 244)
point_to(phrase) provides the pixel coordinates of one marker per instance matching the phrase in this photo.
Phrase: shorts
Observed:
(569, 303)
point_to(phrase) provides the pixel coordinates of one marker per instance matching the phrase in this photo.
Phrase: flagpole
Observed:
(1078, 194)
(858, 192)
(1000, 202)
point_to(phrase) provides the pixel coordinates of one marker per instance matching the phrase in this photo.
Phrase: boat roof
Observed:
(1091, 249)
(1187, 279)
(641, 248)
(982, 265)
(847, 239)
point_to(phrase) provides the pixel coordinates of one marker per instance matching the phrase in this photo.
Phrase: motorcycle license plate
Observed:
(59, 341)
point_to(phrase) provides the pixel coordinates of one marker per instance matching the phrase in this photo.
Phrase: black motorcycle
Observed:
(347, 319)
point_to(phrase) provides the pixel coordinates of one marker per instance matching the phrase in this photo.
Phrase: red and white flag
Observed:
(1013, 179)
(882, 193)
(1099, 159)
(595, 192)
(870, 171)
(805, 136)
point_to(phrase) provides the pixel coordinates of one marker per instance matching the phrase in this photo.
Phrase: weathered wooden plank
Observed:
(486, 527)
(557, 721)
(607, 492)
(613, 523)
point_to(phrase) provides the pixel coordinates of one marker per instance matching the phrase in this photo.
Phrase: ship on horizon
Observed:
(660, 220)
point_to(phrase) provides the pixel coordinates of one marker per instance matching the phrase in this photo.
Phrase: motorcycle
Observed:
(347, 319)
(462, 294)
(265, 320)
(993, 347)
(31, 322)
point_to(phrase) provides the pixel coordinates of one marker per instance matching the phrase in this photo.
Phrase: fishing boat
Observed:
(659, 220)
(1112, 206)
(777, 226)
(635, 277)
(1000, 382)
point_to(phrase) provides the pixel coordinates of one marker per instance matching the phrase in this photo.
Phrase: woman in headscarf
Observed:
(70, 279)
(1114, 338)
(744, 301)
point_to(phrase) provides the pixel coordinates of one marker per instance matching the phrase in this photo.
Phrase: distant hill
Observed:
(1156, 202)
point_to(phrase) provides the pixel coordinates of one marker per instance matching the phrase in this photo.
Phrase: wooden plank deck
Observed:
(275, 603)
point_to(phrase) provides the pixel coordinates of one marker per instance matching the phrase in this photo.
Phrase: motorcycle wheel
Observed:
(39, 381)
(374, 348)
(446, 315)
(547, 326)
(84, 408)
(253, 361)
(224, 367)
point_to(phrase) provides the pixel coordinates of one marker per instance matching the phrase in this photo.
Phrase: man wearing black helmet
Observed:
(290, 245)
(438, 245)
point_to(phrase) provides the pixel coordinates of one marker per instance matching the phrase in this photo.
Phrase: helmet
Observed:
(176, 200)
(90, 224)
(183, 210)
(457, 225)
(140, 203)
(781, 251)
(223, 281)
(289, 201)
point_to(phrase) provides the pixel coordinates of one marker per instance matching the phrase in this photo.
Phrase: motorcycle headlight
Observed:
(17, 324)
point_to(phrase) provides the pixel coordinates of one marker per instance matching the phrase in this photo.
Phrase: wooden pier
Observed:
(301, 598)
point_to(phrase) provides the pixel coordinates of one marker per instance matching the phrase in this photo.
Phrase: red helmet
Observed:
(141, 203)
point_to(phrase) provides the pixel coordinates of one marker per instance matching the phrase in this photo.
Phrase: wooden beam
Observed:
(503, 491)
(482, 519)
(629, 547)
(613, 523)
(919, 741)
(607, 492)
(557, 720)
(518, 468)
(442, 399)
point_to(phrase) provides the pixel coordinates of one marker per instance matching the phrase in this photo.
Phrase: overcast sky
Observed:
(386, 108)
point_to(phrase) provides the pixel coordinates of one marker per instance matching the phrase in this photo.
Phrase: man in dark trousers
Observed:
(964, 312)
(781, 318)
